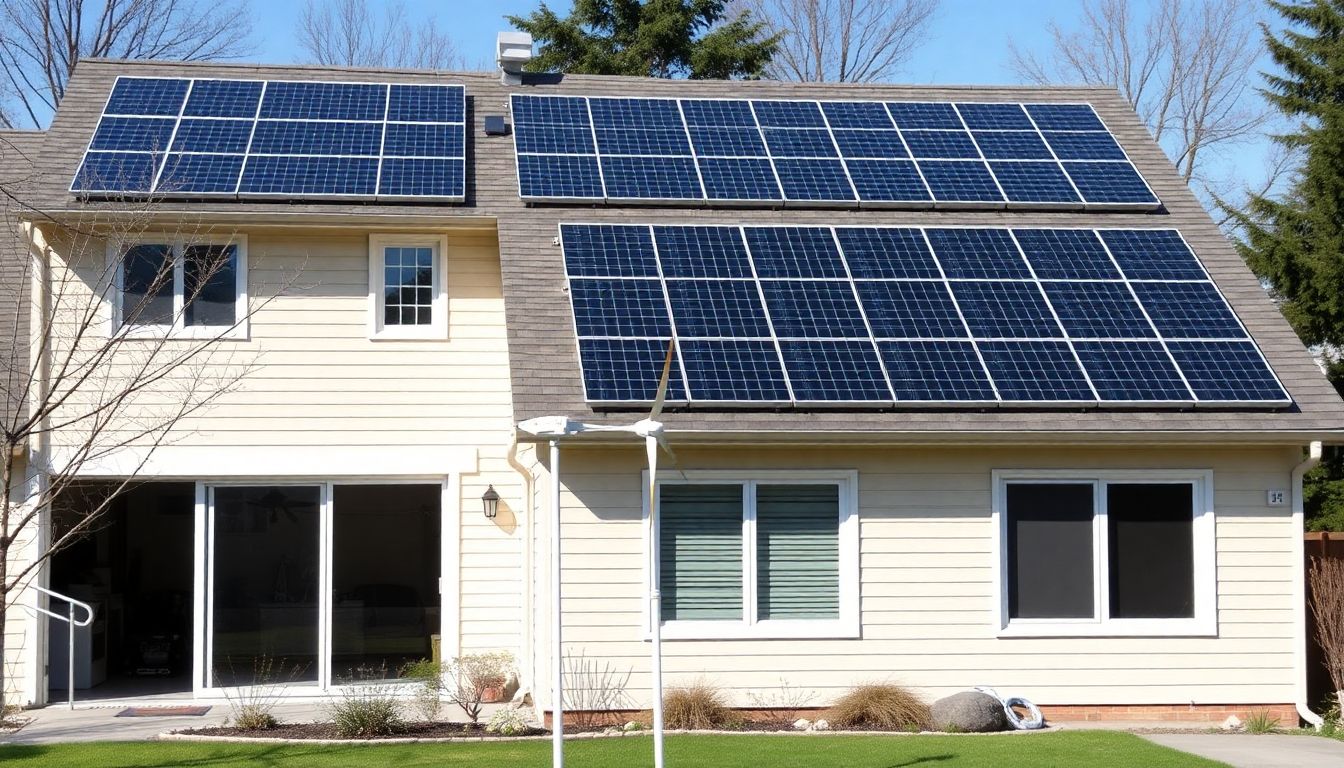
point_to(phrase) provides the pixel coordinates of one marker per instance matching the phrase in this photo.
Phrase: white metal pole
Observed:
(655, 605)
(70, 653)
(557, 650)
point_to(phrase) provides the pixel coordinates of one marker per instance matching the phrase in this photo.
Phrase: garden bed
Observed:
(327, 732)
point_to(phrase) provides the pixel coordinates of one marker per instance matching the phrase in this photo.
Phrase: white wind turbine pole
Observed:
(554, 428)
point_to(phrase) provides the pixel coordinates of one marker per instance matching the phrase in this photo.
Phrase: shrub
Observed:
(469, 677)
(880, 705)
(427, 679)
(782, 704)
(250, 706)
(508, 722)
(368, 707)
(697, 707)
(593, 690)
(1261, 721)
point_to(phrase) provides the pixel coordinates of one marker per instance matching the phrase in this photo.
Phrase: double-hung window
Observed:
(407, 295)
(1106, 553)
(761, 556)
(183, 287)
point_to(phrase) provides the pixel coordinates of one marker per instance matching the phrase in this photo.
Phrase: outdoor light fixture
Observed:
(491, 501)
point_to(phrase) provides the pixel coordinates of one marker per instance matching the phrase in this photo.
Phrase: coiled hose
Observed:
(1034, 721)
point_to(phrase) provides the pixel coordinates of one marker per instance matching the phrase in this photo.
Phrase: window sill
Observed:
(763, 630)
(1112, 628)
(428, 334)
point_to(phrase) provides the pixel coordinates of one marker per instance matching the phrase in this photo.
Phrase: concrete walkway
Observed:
(1243, 750)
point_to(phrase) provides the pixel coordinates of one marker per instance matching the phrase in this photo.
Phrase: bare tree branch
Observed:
(349, 33)
(843, 41)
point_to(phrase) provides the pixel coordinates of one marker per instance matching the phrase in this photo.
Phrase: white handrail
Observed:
(69, 618)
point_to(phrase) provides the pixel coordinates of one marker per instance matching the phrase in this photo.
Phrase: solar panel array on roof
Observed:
(898, 316)
(827, 153)
(168, 137)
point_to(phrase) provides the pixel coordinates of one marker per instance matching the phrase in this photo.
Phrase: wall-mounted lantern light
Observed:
(490, 500)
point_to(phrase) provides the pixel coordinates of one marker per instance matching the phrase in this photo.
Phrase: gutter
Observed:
(528, 650)
(1300, 587)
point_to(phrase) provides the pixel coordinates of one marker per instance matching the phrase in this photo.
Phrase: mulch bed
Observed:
(421, 730)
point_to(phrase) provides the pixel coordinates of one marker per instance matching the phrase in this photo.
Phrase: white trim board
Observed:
(196, 462)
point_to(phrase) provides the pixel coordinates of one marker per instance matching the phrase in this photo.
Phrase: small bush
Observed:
(250, 706)
(427, 677)
(783, 703)
(1261, 721)
(508, 722)
(697, 707)
(470, 676)
(251, 717)
(880, 705)
(368, 706)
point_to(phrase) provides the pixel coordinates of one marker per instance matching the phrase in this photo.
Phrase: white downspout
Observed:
(528, 650)
(1300, 587)
(557, 647)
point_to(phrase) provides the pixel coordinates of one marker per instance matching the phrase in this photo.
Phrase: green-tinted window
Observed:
(797, 552)
(700, 537)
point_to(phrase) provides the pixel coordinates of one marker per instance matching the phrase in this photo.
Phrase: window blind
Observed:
(797, 552)
(700, 538)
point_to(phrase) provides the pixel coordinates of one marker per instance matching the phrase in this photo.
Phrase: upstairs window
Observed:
(407, 295)
(171, 286)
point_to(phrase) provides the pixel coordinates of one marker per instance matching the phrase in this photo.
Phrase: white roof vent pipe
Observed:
(512, 51)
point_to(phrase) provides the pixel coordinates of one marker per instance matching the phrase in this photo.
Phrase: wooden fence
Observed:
(1329, 544)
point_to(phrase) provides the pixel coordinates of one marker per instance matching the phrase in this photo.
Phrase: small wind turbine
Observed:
(554, 428)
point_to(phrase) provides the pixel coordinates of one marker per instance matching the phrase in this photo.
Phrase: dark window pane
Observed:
(391, 315)
(700, 552)
(211, 284)
(422, 316)
(147, 285)
(798, 552)
(1152, 566)
(1050, 550)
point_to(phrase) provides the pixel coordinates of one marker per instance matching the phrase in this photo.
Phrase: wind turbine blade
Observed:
(662, 441)
(662, 383)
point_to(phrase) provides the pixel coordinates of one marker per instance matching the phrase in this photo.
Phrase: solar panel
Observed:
(876, 316)
(373, 141)
(833, 153)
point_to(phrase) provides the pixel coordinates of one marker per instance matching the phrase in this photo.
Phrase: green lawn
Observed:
(1093, 749)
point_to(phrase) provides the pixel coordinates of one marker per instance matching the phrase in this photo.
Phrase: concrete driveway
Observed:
(1243, 750)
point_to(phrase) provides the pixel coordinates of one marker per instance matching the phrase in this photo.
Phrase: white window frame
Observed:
(1204, 623)
(116, 250)
(437, 330)
(848, 623)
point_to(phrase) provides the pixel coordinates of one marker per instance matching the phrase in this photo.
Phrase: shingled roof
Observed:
(542, 348)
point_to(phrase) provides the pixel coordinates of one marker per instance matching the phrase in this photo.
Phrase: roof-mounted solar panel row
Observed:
(183, 138)
(821, 153)
(900, 316)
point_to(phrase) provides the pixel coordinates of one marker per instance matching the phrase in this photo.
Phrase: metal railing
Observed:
(69, 618)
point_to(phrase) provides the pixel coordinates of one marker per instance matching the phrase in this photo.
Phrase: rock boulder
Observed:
(969, 712)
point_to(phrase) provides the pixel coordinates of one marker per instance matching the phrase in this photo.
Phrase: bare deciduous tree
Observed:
(41, 41)
(1326, 577)
(843, 41)
(1186, 66)
(349, 33)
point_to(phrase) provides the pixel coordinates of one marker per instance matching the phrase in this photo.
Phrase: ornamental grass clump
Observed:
(881, 706)
(697, 707)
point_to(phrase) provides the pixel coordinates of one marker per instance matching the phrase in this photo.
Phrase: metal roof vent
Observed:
(512, 51)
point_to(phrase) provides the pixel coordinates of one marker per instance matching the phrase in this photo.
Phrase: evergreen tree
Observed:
(650, 38)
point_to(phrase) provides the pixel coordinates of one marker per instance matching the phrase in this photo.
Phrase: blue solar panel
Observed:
(843, 371)
(204, 174)
(608, 250)
(1098, 310)
(553, 139)
(224, 98)
(423, 140)
(288, 100)
(870, 144)
(1066, 254)
(886, 252)
(1065, 117)
(559, 176)
(228, 137)
(914, 114)
(642, 141)
(426, 103)
(701, 252)
(941, 144)
(1084, 145)
(739, 178)
(550, 110)
(960, 181)
(813, 309)
(317, 176)
(651, 178)
(1227, 372)
(799, 142)
(1110, 182)
(1034, 371)
(796, 252)
(1000, 310)
(288, 137)
(718, 112)
(422, 177)
(910, 310)
(880, 181)
(146, 96)
(627, 370)
(629, 308)
(630, 114)
(935, 371)
(1029, 182)
(717, 308)
(117, 172)
(1153, 254)
(977, 253)
(1012, 145)
(1000, 117)
(137, 134)
(734, 371)
(1189, 311)
(788, 114)
(856, 114)
(1131, 371)
(727, 142)
(814, 180)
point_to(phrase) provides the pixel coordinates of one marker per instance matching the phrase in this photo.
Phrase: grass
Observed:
(1095, 749)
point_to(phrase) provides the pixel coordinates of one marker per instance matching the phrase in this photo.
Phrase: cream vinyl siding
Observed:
(927, 575)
